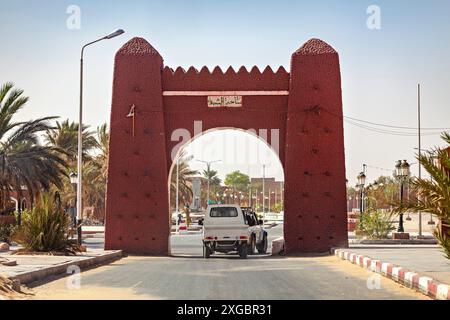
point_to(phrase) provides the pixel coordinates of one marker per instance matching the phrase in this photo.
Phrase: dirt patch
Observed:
(11, 289)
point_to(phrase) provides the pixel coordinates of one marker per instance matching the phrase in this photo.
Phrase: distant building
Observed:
(273, 192)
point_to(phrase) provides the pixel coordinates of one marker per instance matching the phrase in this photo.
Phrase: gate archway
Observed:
(155, 107)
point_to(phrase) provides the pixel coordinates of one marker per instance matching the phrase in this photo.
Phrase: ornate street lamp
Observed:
(401, 173)
(74, 181)
(361, 178)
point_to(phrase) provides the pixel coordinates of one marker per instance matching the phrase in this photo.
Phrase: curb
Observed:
(277, 246)
(28, 277)
(395, 242)
(410, 279)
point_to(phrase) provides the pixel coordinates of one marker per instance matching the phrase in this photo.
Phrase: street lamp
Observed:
(73, 178)
(74, 181)
(401, 173)
(80, 135)
(361, 178)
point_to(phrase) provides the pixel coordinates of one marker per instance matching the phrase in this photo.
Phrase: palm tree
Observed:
(23, 161)
(212, 176)
(95, 167)
(214, 184)
(95, 174)
(184, 185)
(103, 146)
(433, 196)
(65, 137)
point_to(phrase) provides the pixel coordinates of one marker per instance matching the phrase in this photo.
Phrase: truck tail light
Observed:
(243, 237)
(209, 238)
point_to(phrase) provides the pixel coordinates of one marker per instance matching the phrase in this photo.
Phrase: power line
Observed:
(385, 128)
(392, 126)
(370, 125)
(379, 168)
(390, 132)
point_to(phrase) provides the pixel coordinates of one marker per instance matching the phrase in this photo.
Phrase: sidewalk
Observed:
(31, 268)
(428, 260)
(421, 267)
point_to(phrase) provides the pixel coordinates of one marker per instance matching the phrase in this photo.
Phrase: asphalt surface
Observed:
(188, 276)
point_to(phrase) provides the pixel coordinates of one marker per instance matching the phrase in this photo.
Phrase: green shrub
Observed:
(6, 232)
(376, 224)
(444, 241)
(45, 228)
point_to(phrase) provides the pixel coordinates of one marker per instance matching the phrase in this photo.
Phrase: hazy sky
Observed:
(380, 68)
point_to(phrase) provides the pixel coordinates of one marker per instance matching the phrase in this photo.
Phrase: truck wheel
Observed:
(243, 250)
(262, 248)
(206, 251)
(252, 247)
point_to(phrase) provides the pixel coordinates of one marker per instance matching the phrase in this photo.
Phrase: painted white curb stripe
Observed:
(352, 255)
(395, 272)
(442, 292)
(423, 283)
(366, 262)
(384, 268)
(373, 265)
(409, 278)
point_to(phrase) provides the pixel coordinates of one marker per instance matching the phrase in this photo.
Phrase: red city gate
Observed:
(150, 102)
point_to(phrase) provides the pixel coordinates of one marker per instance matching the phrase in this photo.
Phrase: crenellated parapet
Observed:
(230, 79)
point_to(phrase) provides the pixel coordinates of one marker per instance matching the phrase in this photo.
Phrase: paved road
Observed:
(224, 277)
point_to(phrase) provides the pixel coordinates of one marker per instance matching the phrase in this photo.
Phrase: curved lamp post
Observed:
(401, 173)
(114, 34)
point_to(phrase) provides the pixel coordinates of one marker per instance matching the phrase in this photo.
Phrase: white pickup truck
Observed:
(228, 228)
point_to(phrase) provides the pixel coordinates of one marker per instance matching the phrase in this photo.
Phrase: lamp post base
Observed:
(400, 236)
(79, 234)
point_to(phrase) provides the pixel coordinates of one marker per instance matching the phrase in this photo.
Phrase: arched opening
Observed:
(223, 166)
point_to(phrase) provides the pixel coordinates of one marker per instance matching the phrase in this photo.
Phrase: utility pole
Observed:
(281, 195)
(420, 150)
(177, 196)
(363, 194)
(264, 189)
(275, 200)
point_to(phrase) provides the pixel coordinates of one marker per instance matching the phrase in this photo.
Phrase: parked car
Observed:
(228, 228)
